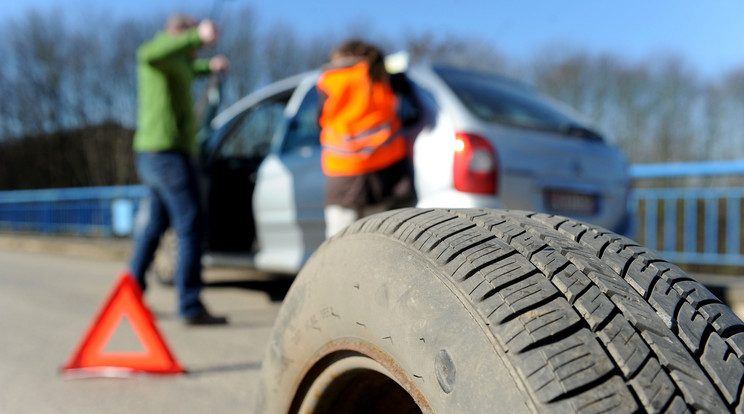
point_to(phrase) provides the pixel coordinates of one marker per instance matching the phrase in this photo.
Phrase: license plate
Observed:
(569, 202)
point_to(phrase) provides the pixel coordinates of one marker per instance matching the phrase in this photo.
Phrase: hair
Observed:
(370, 53)
(179, 23)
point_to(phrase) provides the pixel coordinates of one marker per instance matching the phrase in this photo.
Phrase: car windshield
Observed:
(503, 101)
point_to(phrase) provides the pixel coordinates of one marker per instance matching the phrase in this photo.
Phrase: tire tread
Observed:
(593, 321)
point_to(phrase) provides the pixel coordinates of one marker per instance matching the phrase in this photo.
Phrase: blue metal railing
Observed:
(667, 210)
(690, 225)
(91, 211)
(687, 169)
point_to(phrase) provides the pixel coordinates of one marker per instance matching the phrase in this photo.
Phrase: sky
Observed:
(708, 35)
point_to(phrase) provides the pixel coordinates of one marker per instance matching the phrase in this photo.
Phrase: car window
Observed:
(409, 106)
(303, 129)
(500, 100)
(252, 135)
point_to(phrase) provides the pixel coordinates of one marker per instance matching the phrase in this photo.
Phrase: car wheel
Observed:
(469, 311)
(163, 267)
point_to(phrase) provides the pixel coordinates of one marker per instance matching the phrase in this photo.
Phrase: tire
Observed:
(475, 311)
(163, 267)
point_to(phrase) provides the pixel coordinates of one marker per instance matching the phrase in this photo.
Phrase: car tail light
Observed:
(476, 165)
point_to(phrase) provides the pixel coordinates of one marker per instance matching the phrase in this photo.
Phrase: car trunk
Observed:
(559, 174)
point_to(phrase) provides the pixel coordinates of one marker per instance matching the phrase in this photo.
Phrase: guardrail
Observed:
(690, 225)
(91, 211)
(686, 225)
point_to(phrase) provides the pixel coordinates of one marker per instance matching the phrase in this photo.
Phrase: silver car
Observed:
(479, 140)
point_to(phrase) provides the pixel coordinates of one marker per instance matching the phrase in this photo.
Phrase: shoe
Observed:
(205, 318)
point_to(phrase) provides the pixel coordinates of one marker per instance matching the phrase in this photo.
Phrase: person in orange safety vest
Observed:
(365, 157)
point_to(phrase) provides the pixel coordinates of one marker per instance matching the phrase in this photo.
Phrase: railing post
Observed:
(651, 223)
(670, 224)
(122, 216)
(690, 228)
(733, 225)
(711, 225)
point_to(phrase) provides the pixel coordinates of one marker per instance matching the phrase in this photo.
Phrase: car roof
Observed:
(506, 81)
(289, 84)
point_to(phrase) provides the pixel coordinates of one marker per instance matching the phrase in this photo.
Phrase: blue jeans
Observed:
(173, 186)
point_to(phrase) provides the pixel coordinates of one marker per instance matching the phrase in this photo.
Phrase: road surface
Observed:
(50, 290)
(48, 301)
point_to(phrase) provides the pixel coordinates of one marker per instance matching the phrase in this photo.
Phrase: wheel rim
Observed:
(356, 383)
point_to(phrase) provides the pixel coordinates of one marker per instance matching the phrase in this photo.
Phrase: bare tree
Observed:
(471, 52)
(239, 43)
(281, 51)
(37, 59)
(733, 107)
(66, 78)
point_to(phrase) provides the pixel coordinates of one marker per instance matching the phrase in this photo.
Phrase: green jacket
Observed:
(165, 71)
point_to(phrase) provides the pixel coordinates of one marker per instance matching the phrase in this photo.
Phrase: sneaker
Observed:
(205, 318)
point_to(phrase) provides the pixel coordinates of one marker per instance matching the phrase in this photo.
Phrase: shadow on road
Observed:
(275, 287)
(247, 366)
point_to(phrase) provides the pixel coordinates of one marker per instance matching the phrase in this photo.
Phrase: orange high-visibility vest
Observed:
(360, 126)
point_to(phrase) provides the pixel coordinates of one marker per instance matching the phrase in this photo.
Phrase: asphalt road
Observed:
(47, 303)
(51, 289)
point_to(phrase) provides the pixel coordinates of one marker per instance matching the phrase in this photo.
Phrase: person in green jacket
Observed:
(165, 146)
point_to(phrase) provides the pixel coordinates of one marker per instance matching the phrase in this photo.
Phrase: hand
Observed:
(208, 32)
(219, 63)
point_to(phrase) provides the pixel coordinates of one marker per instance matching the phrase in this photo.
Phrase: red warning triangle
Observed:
(125, 301)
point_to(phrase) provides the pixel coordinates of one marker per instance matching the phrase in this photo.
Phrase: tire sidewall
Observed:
(379, 297)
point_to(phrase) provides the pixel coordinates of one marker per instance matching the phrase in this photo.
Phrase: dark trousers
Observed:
(172, 183)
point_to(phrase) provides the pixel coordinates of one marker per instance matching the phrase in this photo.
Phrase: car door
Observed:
(290, 191)
(289, 198)
(230, 170)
